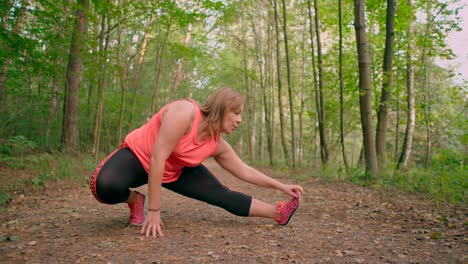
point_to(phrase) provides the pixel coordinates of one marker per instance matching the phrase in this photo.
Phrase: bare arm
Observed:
(226, 157)
(176, 121)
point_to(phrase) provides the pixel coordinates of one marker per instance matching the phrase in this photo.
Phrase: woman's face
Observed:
(231, 120)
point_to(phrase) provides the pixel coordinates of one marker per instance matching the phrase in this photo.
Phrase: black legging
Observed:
(122, 170)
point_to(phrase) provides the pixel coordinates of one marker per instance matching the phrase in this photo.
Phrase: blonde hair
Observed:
(221, 101)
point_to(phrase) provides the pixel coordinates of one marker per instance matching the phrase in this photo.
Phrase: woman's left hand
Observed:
(293, 190)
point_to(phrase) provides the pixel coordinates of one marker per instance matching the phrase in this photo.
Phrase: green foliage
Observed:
(15, 146)
(35, 170)
(446, 181)
(226, 50)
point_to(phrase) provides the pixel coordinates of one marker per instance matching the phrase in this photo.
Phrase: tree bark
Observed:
(103, 45)
(137, 76)
(314, 73)
(340, 18)
(178, 75)
(324, 152)
(278, 71)
(411, 116)
(73, 79)
(158, 68)
(261, 62)
(288, 74)
(365, 99)
(386, 86)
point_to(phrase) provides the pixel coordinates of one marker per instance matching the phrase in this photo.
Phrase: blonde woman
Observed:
(168, 151)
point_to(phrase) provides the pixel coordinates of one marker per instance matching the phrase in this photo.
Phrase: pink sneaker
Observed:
(287, 211)
(137, 212)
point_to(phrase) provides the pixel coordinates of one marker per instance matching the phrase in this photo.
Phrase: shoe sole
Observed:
(134, 224)
(292, 215)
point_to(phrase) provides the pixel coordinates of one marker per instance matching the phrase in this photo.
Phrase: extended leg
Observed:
(199, 183)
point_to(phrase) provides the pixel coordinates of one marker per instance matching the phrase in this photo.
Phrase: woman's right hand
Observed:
(153, 224)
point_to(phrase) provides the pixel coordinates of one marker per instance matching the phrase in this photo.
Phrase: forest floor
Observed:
(338, 222)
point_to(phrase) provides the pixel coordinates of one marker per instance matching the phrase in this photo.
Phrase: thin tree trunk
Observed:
(269, 82)
(73, 76)
(158, 68)
(123, 75)
(178, 75)
(53, 100)
(314, 73)
(386, 86)
(137, 76)
(302, 95)
(103, 45)
(397, 125)
(291, 99)
(278, 70)
(365, 99)
(253, 131)
(324, 153)
(342, 133)
(411, 116)
(261, 58)
(246, 85)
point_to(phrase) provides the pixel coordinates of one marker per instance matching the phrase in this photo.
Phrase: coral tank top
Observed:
(187, 153)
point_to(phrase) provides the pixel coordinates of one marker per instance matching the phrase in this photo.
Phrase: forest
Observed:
(337, 89)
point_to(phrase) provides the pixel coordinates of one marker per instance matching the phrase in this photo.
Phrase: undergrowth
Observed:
(25, 168)
(445, 181)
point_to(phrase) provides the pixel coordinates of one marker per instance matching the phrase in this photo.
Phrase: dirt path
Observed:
(337, 223)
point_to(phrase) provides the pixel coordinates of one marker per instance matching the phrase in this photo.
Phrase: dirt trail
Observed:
(337, 223)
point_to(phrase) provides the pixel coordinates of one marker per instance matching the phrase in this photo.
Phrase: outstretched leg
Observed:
(199, 183)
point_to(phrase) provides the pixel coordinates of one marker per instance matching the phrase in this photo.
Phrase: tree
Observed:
(386, 86)
(73, 79)
(365, 97)
(15, 30)
(278, 71)
(411, 115)
(340, 73)
(324, 152)
(180, 63)
(103, 37)
(288, 71)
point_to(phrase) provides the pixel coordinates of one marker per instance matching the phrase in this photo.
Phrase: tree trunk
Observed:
(386, 86)
(136, 79)
(158, 69)
(268, 66)
(302, 94)
(365, 100)
(53, 100)
(123, 75)
(103, 45)
(411, 116)
(291, 99)
(178, 75)
(397, 129)
(314, 73)
(253, 130)
(73, 79)
(340, 18)
(278, 70)
(324, 153)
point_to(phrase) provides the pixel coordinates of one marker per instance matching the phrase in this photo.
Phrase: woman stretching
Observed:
(168, 151)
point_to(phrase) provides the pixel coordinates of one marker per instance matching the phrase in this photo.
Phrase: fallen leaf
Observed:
(32, 243)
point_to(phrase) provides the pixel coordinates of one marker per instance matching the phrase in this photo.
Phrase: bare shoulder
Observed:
(180, 110)
(181, 114)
